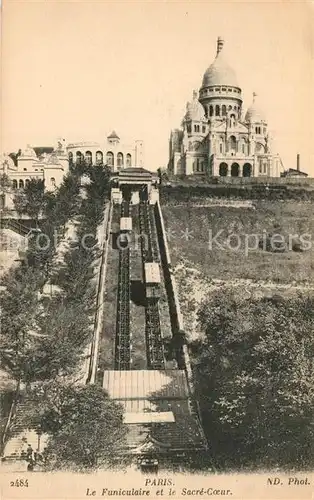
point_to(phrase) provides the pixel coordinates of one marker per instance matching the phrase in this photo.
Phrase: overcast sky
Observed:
(77, 69)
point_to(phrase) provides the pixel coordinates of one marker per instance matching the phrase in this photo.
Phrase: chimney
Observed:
(298, 162)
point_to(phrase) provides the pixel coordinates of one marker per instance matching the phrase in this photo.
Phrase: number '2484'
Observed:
(23, 483)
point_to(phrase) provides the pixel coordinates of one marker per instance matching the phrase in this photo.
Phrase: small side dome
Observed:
(194, 110)
(28, 152)
(113, 136)
(254, 113)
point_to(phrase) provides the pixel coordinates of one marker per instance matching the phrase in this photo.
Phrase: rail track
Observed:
(123, 341)
(150, 253)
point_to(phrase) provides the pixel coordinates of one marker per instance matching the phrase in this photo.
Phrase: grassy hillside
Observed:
(189, 238)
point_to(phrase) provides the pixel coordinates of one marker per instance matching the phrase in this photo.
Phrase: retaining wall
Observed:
(176, 318)
(92, 369)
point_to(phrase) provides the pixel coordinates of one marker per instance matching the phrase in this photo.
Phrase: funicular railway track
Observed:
(149, 247)
(123, 343)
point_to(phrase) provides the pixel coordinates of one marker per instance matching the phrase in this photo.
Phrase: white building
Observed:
(216, 138)
(111, 152)
(47, 164)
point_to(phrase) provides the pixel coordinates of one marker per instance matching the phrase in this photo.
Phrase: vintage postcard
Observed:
(156, 249)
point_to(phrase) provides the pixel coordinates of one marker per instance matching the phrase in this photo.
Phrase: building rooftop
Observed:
(146, 384)
(152, 272)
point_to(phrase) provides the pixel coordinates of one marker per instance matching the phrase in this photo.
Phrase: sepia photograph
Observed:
(156, 252)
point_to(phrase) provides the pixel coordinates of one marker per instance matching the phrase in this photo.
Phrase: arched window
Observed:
(203, 129)
(70, 158)
(27, 181)
(128, 160)
(99, 158)
(110, 159)
(120, 160)
(195, 166)
(223, 169)
(232, 144)
(196, 128)
(21, 183)
(235, 170)
(229, 108)
(247, 170)
(223, 110)
(53, 181)
(211, 110)
(14, 184)
(217, 110)
(79, 158)
(244, 147)
(89, 157)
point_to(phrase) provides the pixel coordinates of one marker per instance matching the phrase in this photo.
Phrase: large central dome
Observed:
(219, 72)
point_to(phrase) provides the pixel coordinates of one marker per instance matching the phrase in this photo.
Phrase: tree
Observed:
(254, 375)
(20, 308)
(31, 200)
(84, 425)
(5, 188)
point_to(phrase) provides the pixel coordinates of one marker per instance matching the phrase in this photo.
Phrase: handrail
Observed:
(10, 417)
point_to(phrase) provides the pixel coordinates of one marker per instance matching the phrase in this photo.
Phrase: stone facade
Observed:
(214, 138)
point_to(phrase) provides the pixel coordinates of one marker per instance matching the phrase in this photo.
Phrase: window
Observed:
(110, 159)
(120, 160)
(217, 110)
(36, 169)
(27, 181)
(99, 158)
(14, 184)
(79, 158)
(211, 110)
(89, 158)
(223, 110)
(128, 160)
(203, 129)
(70, 158)
(25, 169)
(220, 147)
(229, 90)
(53, 181)
(188, 128)
(224, 89)
(196, 128)
(21, 183)
(260, 168)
